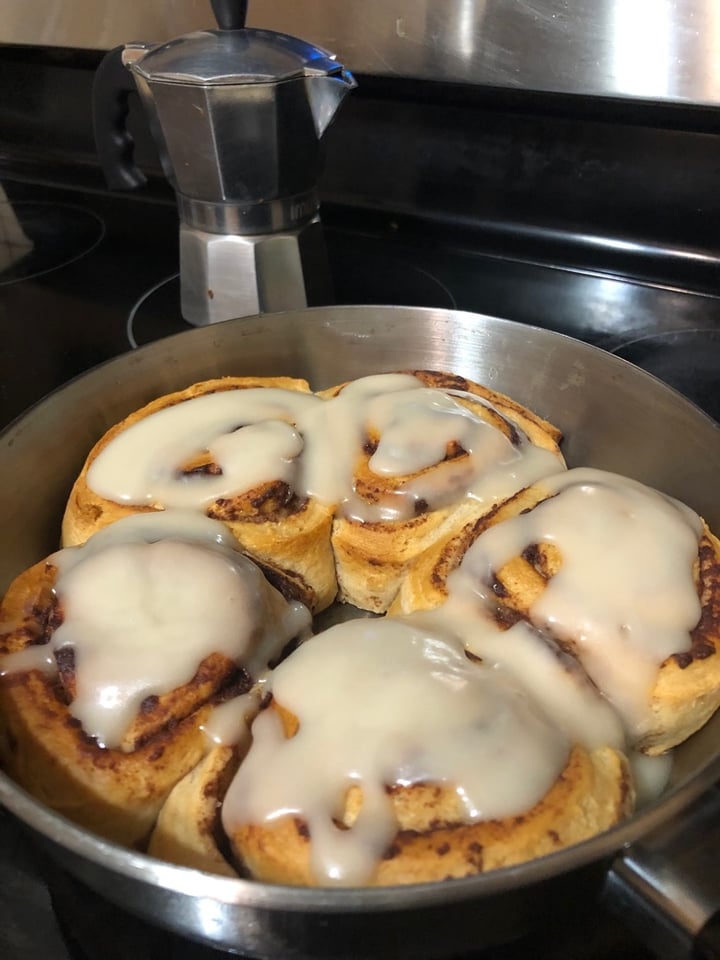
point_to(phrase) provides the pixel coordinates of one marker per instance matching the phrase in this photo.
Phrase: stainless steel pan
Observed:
(614, 417)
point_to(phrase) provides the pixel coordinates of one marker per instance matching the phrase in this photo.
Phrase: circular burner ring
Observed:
(158, 288)
(688, 360)
(37, 238)
(157, 314)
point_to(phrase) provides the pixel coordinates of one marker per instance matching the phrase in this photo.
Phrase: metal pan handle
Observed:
(666, 887)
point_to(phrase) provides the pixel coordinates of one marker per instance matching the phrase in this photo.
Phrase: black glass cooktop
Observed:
(99, 277)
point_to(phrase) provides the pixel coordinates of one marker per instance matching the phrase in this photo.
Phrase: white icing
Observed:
(414, 426)
(148, 528)
(554, 679)
(651, 775)
(262, 434)
(624, 598)
(389, 701)
(384, 702)
(249, 433)
(229, 723)
(145, 602)
(36, 657)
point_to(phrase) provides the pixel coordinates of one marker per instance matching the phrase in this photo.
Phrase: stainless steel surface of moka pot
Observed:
(237, 115)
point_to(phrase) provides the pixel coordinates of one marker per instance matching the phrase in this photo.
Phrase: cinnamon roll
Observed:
(420, 450)
(113, 655)
(387, 755)
(624, 578)
(228, 448)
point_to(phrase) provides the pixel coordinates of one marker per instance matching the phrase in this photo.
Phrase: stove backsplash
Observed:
(658, 50)
(627, 187)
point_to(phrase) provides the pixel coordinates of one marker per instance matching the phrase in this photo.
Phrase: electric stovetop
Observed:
(87, 275)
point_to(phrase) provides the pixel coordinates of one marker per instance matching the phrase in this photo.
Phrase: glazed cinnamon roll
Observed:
(387, 755)
(354, 481)
(416, 451)
(113, 654)
(624, 578)
(228, 448)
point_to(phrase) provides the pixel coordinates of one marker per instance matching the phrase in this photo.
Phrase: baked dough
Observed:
(270, 521)
(188, 830)
(592, 794)
(115, 791)
(373, 557)
(686, 689)
(433, 842)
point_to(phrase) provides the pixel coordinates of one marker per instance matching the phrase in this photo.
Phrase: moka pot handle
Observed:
(112, 86)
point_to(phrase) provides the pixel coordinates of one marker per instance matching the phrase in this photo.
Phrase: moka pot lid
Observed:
(230, 57)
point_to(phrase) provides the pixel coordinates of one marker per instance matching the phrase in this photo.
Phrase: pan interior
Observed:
(613, 415)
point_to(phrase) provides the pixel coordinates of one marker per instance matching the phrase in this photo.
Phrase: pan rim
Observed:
(135, 865)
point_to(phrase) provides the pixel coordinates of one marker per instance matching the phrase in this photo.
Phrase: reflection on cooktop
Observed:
(688, 360)
(359, 277)
(36, 238)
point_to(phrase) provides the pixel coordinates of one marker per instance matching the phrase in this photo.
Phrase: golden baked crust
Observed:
(271, 522)
(372, 558)
(188, 830)
(426, 584)
(434, 841)
(115, 792)
(686, 692)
